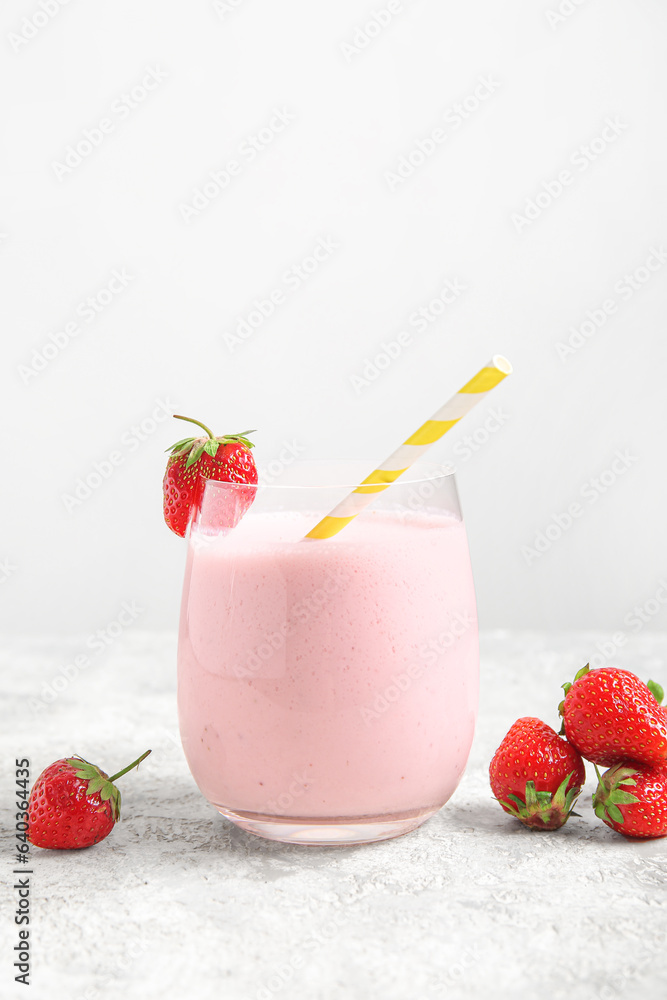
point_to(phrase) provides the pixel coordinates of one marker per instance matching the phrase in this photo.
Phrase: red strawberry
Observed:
(535, 775)
(639, 812)
(73, 804)
(193, 461)
(612, 717)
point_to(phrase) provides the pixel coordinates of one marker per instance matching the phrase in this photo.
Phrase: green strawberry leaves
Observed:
(194, 448)
(656, 690)
(566, 687)
(99, 781)
(544, 810)
(195, 455)
(95, 785)
(609, 794)
(180, 444)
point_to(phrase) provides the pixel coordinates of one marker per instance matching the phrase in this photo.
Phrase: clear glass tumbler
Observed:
(327, 689)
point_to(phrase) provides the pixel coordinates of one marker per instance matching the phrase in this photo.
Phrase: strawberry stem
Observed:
(177, 416)
(130, 766)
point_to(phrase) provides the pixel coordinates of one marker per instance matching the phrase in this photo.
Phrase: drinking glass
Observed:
(327, 688)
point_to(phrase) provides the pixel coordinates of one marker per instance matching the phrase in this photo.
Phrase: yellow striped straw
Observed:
(400, 460)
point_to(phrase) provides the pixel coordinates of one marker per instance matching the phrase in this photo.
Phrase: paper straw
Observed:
(400, 460)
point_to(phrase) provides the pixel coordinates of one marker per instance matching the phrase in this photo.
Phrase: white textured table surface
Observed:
(178, 903)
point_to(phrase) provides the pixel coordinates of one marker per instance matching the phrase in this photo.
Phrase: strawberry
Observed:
(641, 812)
(193, 461)
(535, 775)
(74, 804)
(612, 717)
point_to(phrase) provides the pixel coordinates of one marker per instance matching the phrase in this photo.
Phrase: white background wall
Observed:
(555, 80)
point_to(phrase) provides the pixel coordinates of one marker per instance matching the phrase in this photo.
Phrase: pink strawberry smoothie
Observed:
(329, 678)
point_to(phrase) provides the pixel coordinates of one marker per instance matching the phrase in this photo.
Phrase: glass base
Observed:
(322, 832)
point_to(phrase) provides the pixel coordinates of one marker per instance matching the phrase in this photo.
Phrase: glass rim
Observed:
(417, 474)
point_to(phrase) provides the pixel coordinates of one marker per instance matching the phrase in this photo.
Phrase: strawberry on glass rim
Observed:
(193, 461)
